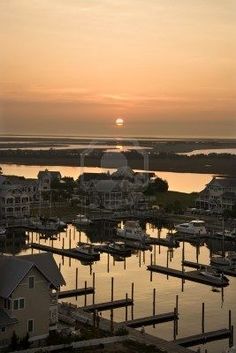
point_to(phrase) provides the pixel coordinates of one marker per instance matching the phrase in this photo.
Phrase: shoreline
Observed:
(199, 165)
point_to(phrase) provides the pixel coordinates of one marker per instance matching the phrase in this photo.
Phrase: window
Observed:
(19, 303)
(30, 325)
(31, 282)
(3, 329)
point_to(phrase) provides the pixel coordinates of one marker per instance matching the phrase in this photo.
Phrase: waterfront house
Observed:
(46, 178)
(218, 195)
(28, 296)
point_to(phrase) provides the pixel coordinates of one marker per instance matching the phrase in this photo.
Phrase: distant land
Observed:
(162, 153)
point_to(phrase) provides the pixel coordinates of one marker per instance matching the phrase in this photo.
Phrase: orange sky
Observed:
(73, 66)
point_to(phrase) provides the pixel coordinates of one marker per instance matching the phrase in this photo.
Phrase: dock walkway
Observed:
(204, 337)
(151, 320)
(197, 265)
(108, 305)
(75, 292)
(193, 276)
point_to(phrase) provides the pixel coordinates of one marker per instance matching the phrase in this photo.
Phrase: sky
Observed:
(167, 67)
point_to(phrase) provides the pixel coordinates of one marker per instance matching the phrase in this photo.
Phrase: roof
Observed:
(123, 172)
(14, 268)
(5, 320)
(229, 195)
(52, 173)
(225, 182)
(107, 186)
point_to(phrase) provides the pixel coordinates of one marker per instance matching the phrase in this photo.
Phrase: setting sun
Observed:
(119, 122)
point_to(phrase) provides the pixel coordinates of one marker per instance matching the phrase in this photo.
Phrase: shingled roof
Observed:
(13, 269)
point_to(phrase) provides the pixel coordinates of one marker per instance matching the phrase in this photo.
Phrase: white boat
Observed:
(81, 220)
(228, 262)
(88, 251)
(195, 227)
(3, 232)
(132, 231)
(227, 234)
(119, 248)
(212, 274)
(44, 225)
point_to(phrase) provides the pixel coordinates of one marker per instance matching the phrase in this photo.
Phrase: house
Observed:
(218, 195)
(46, 177)
(28, 296)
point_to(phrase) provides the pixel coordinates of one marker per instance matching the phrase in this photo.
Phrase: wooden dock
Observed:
(193, 276)
(115, 304)
(151, 320)
(163, 242)
(204, 338)
(75, 292)
(72, 253)
(196, 265)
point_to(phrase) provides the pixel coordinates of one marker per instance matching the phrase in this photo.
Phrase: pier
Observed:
(151, 320)
(115, 304)
(72, 253)
(170, 243)
(75, 292)
(219, 269)
(193, 276)
(203, 338)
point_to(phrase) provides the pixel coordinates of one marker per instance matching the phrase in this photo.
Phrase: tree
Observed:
(158, 185)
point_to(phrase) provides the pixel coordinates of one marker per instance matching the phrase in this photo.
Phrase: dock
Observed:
(151, 320)
(170, 243)
(204, 338)
(193, 276)
(75, 292)
(197, 265)
(115, 304)
(72, 253)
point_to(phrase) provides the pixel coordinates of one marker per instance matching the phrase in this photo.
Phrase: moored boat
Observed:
(119, 248)
(132, 231)
(81, 220)
(88, 251)
(194, 227)
(3, 232)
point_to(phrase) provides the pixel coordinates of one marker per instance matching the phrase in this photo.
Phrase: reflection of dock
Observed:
(115, 304)
(72, 253)
(170, 243)
(151, 320)
(75, 292)
(193, 276)
(203, 338)
(217, 268)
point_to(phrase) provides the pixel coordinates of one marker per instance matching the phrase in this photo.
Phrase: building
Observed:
(16, 196)
(218, 195)
(28, 296)
(46, 177)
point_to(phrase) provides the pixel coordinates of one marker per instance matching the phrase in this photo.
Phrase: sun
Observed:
(119, 122)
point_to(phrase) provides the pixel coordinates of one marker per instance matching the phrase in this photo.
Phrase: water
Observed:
(183, 182)
(118, 148)
(208, 151)
(134, 270)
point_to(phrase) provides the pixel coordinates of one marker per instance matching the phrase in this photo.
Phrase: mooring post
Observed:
(177, 314)
(125, 264)
(232, 336)
(151, 265)
(203, 317)
(108, 263)
(154, 302)
(139, 255)
(70, 239)
(132, 297)
(231, 329)
(155, 254)
(93, 287)
(112, 298)
(144, 257)
(76, 278)
(60, 267)
(85, 293)
(174, 325)
(126, 307)
(63, 243)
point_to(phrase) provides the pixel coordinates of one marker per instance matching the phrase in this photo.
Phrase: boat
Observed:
(81, 220)
(195, 227)
(44, 225)
(227, 234)
(132, 231)
(3, 232)
(224, 262)
(213, 274)
(119, 248)
(87, 251)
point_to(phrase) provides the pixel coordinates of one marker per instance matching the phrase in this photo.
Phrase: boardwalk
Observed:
(108, 305)
(75, 292)
(151, 320)
(204, 337)
(226, 271)
(193, 276)
(72, 253)
(135, 335)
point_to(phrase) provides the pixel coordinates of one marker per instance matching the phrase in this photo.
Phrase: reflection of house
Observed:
(46, 178)
(28, 296)
(123, 188)
(218, 195)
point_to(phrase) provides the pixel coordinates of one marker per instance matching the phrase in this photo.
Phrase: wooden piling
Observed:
(85, 294)
(93, 287)
(203, 317)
